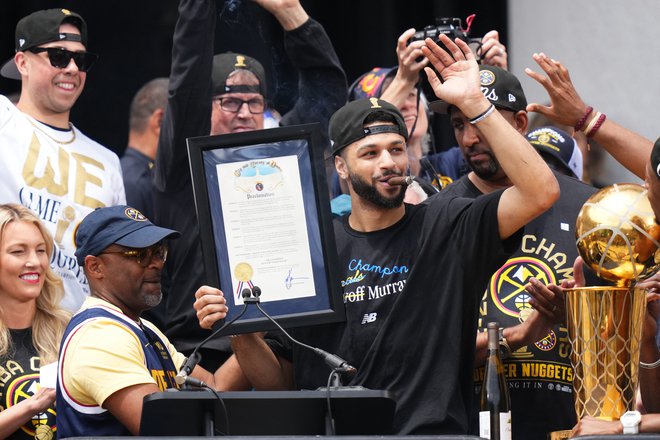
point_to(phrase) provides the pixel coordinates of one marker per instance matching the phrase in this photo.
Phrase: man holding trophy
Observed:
(618, 238)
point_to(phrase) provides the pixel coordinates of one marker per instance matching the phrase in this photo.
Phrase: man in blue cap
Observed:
(110, 358)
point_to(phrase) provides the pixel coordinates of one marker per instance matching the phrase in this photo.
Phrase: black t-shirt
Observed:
(411, 293)
(19, 380)
(540, 374)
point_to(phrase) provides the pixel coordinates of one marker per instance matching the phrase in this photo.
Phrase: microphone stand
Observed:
(183, 378)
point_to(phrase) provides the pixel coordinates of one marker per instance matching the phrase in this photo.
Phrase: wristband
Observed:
(583, 119)
(599, 122)
(591, 124)
(483, 116)
(650, 366)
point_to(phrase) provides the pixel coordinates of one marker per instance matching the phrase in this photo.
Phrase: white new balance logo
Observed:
(369, 317)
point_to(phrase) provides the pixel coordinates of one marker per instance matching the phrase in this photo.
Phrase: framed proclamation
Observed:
(265, 221)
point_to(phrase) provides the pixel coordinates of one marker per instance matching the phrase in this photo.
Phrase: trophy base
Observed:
(559, 435)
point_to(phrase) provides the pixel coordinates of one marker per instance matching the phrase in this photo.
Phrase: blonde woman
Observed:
(31, 324)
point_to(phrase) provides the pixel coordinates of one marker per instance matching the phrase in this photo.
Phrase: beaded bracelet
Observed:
(599, 122)
(583, 119)
(651, 366)
(483, 116)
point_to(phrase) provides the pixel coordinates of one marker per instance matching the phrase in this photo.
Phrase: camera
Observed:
(451, 27)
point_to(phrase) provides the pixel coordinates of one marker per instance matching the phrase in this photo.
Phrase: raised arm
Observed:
(188, 111)
(535, 188)
(321, 80)
(566, 107)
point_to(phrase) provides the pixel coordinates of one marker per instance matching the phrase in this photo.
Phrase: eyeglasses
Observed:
(61, 58)
(144, 256)
(255, 105)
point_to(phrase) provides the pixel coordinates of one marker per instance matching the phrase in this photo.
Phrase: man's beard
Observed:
(370, 193)
(485, 170)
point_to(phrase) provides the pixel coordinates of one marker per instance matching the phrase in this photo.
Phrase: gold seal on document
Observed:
(243, 272)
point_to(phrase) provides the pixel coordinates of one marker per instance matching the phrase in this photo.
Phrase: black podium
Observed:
(267, 413)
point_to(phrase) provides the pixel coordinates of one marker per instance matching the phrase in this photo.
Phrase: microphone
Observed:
(335, 362)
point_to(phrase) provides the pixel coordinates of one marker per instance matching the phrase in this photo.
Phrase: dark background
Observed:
(134, 41)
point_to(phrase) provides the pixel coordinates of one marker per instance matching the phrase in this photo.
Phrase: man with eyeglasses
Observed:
(221, 94)
(110, 357)
(46, 163)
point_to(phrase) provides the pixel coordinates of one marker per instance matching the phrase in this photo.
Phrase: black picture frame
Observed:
(230, 158)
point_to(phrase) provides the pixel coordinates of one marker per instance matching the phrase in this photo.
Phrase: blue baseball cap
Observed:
(556, 143)
(120, 225)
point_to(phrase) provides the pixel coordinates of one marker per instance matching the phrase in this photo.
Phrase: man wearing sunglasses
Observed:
(221, 94)
(46, 163)
(110, 357)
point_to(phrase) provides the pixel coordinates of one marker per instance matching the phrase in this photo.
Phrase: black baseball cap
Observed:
(42, 27)
(557, 143)
(119, 224)
(655, 158)
(347, 124)
(226, 63)
(500, 86)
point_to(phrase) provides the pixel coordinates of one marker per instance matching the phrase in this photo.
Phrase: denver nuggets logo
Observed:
(134, 214)
(24, 387)
(486, 77)
(547, 343)
(507, 285)
(240, 61)
(374, 103)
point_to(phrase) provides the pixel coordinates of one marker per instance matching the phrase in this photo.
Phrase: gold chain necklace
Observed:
(73, 131)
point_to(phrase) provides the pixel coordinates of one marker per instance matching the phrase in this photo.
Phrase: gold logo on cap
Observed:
(134, 214)
(66, 12)
(374, 103)
(544, 138)
(486, 77)
(240, 61)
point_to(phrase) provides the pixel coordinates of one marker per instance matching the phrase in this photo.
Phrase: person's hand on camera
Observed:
(492, 51)
(410, 56)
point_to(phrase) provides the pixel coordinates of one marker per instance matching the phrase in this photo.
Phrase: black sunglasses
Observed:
(61, 58)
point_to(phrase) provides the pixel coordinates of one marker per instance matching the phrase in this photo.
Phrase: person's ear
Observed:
(522, 121)
(156, 119)
(341, 167)
(21, 62)
(94, 267)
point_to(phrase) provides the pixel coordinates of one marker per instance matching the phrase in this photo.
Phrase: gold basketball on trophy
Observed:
(617, 235)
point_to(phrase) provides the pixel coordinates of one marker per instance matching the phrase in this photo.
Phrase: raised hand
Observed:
(458, 83)
(566, 105)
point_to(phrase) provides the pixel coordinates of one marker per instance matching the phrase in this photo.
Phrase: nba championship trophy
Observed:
(617, 237)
